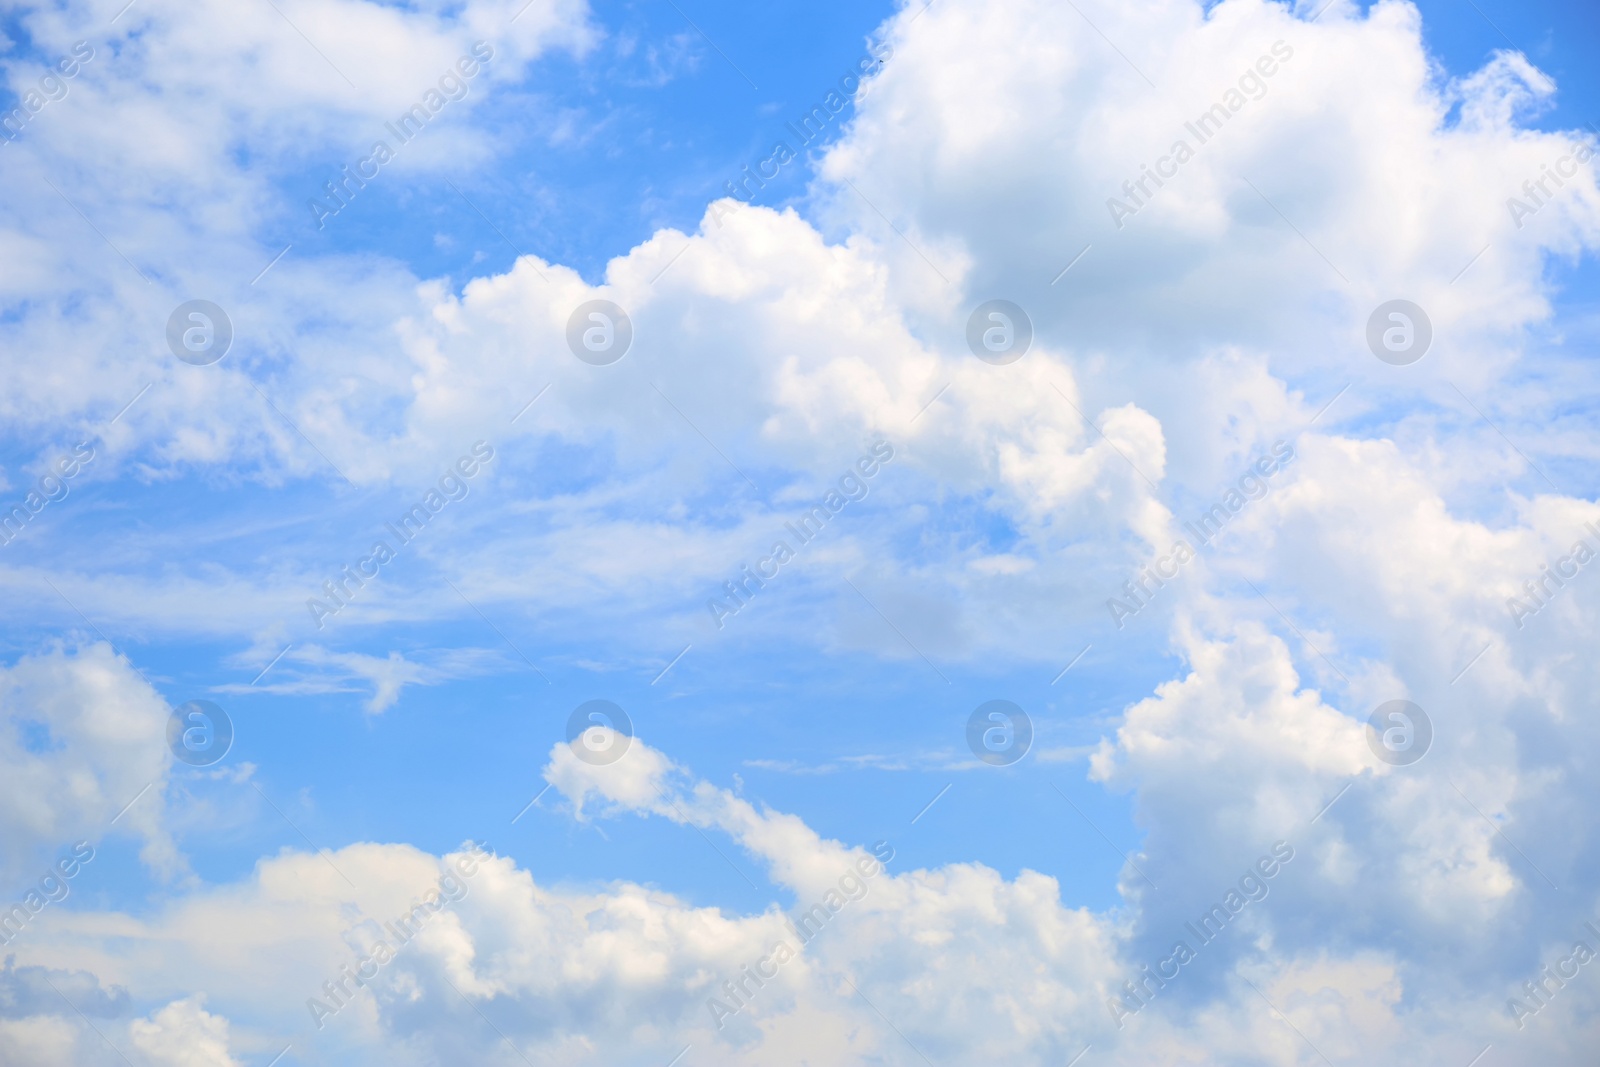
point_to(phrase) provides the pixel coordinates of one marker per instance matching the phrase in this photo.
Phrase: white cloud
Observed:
(324, 671)
(571, 971)
(82, 736)
(1205, 328)
(184, 1034)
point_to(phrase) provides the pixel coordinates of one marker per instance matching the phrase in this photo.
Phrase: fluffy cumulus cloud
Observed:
(185, 106)
(183, 1034)
(1331, 904)
(76, 757)
(587, 973)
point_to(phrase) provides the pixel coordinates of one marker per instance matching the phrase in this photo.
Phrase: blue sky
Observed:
(774, 345)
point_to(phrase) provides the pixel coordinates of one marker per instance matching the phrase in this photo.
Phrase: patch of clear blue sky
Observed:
(659, 119)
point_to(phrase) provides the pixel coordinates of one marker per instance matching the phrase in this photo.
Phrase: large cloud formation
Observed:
(1427, 912)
